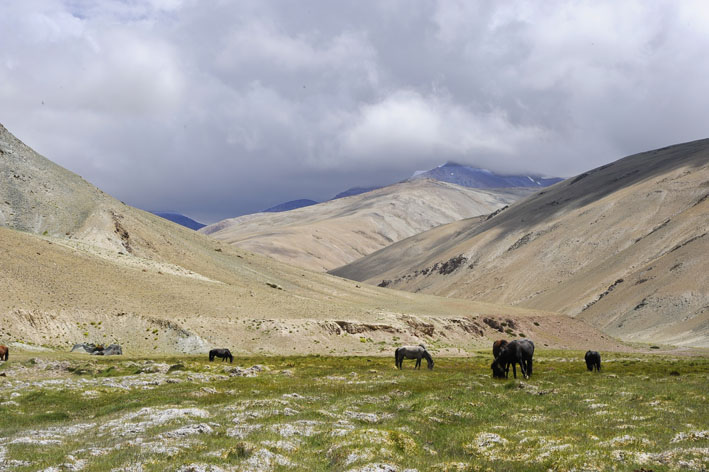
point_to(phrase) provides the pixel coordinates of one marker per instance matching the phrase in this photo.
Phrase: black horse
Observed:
(593, 360)
(519, 351)
(496, 348)
(224, 354)
(412, 352)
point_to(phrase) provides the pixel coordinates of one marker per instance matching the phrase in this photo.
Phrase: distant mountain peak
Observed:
(180, 219)
(355, 191)
(290, 205)
(475, 177)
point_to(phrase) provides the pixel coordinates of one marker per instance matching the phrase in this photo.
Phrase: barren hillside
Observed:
(81, 266)
(624, 247)
(330, 234)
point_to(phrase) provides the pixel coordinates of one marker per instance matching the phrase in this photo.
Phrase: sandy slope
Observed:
(330, 234)
(625, 247)
(86, 267)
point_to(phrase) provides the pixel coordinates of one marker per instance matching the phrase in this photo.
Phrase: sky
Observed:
(217, 108)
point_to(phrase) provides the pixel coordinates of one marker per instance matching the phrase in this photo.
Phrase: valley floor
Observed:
(73, 412)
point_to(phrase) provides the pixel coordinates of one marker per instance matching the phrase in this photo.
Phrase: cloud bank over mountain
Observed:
(225, 108)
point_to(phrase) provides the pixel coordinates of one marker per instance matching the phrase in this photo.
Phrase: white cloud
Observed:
(408, 125)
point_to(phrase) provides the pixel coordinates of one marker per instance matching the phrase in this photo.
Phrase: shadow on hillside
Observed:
(596, 184)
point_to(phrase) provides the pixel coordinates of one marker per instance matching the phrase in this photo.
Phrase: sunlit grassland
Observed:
(337, 413)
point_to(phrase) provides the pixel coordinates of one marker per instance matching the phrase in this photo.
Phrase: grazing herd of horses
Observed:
(519, 351)
(506, 354)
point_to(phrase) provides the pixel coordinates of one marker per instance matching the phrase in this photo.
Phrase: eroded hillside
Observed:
(624, 247)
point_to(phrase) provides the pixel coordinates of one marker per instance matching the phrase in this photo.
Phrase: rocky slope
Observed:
(624, 247)
(333, 233)
(77, 265)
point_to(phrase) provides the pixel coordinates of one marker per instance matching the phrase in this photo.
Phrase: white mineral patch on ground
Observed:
(265, 460)
(151, 417)
(690, 436)
(189, 430)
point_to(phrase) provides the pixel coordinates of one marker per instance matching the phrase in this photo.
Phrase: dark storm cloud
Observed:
(219, 108)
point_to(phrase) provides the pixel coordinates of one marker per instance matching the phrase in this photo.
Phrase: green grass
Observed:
(639, 412)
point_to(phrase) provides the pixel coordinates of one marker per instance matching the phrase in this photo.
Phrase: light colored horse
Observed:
(413, 352)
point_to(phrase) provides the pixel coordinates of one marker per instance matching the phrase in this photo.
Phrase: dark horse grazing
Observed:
(413, 352)
(4, 353)
(496, 348)
(519, 351)
(593, 360)
(224, 354)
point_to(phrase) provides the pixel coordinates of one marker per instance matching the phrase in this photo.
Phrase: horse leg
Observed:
(514, 369)
(418, 363)
(523, 369)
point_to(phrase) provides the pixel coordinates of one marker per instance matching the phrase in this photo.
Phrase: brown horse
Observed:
(497, 347)
(4, 353)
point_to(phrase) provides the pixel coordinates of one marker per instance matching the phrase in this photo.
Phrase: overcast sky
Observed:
(216, 108)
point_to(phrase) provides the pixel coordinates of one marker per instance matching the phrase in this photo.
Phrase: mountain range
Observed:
(330, 234)
(624, 247)
(464, 176)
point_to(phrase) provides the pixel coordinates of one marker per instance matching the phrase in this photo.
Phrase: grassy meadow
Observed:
(72, 412)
